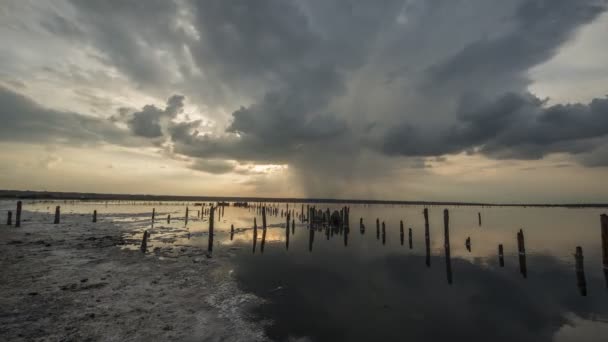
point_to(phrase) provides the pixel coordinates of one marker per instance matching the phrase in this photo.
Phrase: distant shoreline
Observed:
(53, 195)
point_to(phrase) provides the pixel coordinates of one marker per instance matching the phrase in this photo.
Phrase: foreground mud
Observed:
(78, 281)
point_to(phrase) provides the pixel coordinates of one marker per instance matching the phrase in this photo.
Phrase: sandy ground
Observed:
(77, 281)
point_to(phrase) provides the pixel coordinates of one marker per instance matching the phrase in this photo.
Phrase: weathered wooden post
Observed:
(479, 218)
(9, 218)
(57, 215)
(153, 214)
(410, 238)
(523, 269)
(210, 238)
(604, 222)
(18, 215)
(383, 233)
(169, 219)
(231, 232)
(94, 216)
(293, 226)
(144, 242)
(361, 226)
(467, 244)
(263, 230)
(446, 241)
(287, 232)
(255, 233)
(186, 217)
(501, 256)
(401, 233)
(427, 237)
(580, 271)
(377, 229)
(302, 214)
(346, 231)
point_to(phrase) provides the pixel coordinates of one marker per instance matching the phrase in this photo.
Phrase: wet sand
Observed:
(77, 281)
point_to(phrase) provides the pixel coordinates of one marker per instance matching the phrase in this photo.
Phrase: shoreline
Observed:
(77, 281)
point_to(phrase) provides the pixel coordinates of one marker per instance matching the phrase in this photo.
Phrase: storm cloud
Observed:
(315, 84)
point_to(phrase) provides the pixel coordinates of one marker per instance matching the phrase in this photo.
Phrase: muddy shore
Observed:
(84, 281)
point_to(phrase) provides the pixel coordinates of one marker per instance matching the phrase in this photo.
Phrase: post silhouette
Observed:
(427, 237)
(231, 232)
(410, 238)
(311, 238)
(521, 247)
(479, 218)
(211, 222)
(255, 233)
(604, 222)
(401, 233)
(9, 218)
(467, 244)
(446, 243)
(57, 215)
(94, 216)
(361, 226)
(580, 271)
(186, 217)
(377, 229)
(293, 226)
(144, 242)
(169, 218)
(501, 256)
(153, 214)
(383, 233)
(18, 215)
(287, 232)
(263, 230)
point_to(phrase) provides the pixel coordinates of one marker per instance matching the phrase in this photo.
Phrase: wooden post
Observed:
(57, 215)
(18, 215)
(255, 233)
(377, 229)
(211, 222)
(410, 237)
(231, 232)
(427, 237)
(361, 226)
(346, 231)
(523, 269)
(501, 256)
(604, 222)
(263, 230)
(94, 216)
(383, 233)
(302, 214)
(479, 218)
(144, 242)
(401, 233)
(580, 271)
(169, 218)
(446, 242)
(9, 218)
(293, 225)
(186, 217)
(153, 214)
(287, 232)
(467, 244)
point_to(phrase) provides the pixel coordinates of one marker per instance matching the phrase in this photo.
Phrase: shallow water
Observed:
(356, 288)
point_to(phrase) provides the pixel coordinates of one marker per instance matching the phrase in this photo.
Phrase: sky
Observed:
(460, 100)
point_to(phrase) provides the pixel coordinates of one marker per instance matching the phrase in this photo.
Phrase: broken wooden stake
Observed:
(94, 216)
(501, 256)
(361, 226)
(383, 233)
(144, 242)
(57, 215)
(401, 233)
(169, 218)
(377, 229)
(479, 218)
(255, 233)
(210, 238)
(604, 223)
(186, 217)
(446, 244)
(153, 214)
(231, 232)
(18, 215)
(521, 247)
(263, 230)
(467, 244)
(410, 237)
(427, 237)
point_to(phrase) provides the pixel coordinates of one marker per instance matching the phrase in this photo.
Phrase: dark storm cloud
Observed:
(213, 166)
(147, 122)
(328, 81)
(23, 120)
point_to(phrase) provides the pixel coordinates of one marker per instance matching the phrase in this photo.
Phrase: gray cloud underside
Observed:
(333, 80)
